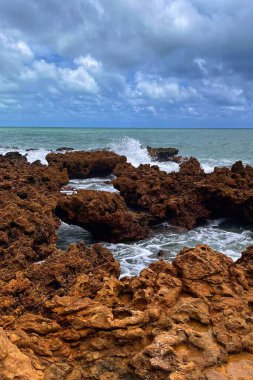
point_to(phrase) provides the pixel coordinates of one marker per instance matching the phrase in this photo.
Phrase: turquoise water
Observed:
(213, 147)
(210, 146)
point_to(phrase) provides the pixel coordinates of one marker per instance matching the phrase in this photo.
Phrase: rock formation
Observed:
(186, 320)
(104, 214)
(66, 315)
(86, 164)
(64, 148)
(190, 196)
(165, 197)
(229, 193)
(162, 154)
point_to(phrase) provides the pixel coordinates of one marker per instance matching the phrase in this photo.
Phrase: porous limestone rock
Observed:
(86, 164)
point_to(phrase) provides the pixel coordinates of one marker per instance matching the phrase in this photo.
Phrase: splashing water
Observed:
(128, 146)
(221, 234)
(136, 154)
(132, 149)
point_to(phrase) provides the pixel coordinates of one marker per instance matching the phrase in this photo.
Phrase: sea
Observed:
(212, 147)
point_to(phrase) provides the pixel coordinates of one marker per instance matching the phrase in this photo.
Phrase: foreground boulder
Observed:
(104, 214)
(186, 320)
(86, 164)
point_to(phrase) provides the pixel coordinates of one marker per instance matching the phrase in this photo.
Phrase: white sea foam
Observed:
(137, 154)
(220, 234)
(32, 155)
(100, 184)
(132, 149)
(209, 164)
(38, 154)
(228, 239)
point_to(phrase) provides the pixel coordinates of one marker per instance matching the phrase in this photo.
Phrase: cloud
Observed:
(168, 91)
(161, 58)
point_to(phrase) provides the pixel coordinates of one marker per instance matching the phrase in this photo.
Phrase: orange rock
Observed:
(86, 164)
(104, 214)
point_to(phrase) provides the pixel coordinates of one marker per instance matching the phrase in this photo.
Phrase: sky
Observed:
(132, 63)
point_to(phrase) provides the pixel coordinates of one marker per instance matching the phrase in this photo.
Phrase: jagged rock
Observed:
(66, 315)
(238, 168)
(190, 196)
(14, 156)
(191, 167)
(172, 197)
(14, 364)
(17, 173)
(183, 320)
(86, 164)
(229, 193)
(31, 287)
(162, 154)
(104, 214)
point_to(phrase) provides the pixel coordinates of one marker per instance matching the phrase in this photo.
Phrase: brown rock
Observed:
(172, 197)
(104, 214)
(162, 154)
(86, 164)
(14, 364)
(229, 193)
(67, 316)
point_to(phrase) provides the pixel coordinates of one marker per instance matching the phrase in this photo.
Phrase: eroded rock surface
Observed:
(104, 214)
(180, 321)
(66, 315)
(229, 193)
(162, 154)
(189, 197)
(171, 197)
(86, 164)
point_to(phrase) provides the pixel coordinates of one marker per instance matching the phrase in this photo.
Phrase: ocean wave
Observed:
(131, 148)
(32, 155)
(137, 154)
(221, 235)
(99, 184)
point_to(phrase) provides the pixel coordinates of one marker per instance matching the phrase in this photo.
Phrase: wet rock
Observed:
(104, 214)
(86, 164)
(162, 154)
(238, 168)
(64, 148)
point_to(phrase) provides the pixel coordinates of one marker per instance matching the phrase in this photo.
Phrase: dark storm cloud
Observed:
(137, 59)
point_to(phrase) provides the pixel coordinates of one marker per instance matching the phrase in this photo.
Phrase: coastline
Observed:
(67, 315)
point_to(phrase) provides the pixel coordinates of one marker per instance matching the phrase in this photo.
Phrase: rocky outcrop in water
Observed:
(189, 197)
(162, 154)
(64, 148)
(164, 197)
(104, 214)
(86, 164)
(229, 193)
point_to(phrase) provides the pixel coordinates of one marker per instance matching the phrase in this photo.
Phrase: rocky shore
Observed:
(67, 315)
